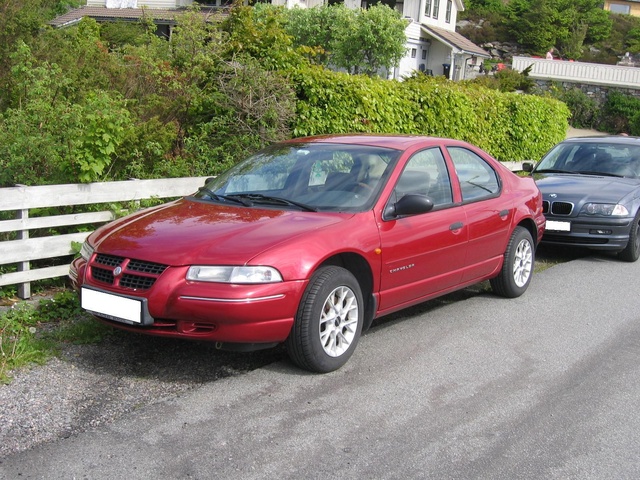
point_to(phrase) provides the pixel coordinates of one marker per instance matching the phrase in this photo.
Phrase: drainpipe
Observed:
(452, 62)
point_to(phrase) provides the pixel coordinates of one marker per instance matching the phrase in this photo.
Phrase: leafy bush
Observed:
(584, 109)
(510, 126)
(618, 112)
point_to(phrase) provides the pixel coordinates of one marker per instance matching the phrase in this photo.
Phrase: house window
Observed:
(448, 14)
(424, 54)
(617, 8)
(427, 8)
(436, 9)
(414, 52)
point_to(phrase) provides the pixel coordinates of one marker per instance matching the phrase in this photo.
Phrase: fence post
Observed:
(24, 289)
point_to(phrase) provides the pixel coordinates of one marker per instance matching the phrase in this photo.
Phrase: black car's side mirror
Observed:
(410, 204)
(527, 167)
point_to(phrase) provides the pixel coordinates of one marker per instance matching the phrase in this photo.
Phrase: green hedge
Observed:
(510, 126)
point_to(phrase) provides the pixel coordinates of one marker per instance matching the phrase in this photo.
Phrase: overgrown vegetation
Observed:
(31, 334)
(108, 102)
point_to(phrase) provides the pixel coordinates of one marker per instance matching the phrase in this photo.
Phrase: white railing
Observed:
(22, 200)
(579, 72)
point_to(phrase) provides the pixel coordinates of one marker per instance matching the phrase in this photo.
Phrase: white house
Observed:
(433, 46)
(432, 42)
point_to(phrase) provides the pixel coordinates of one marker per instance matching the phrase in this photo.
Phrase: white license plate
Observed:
(558, 226)
(111, 306)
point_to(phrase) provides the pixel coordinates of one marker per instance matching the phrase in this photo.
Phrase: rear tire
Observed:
(631, 252)
(329, 321)
(517, 267)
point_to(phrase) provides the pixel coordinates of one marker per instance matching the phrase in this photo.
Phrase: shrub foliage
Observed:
(510, 126)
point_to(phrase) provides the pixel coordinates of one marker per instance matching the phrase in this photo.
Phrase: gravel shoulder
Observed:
(87, 386)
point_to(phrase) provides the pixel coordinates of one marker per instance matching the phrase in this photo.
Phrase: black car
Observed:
(591, 194)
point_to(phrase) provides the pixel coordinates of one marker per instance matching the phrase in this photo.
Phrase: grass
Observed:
(32, 334)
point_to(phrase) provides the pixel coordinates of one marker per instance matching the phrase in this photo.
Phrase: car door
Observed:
(488, 213)
(422, 254)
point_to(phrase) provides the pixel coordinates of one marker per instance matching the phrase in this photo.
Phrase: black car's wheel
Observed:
(631, 253)
(329, 321)
(517, 269)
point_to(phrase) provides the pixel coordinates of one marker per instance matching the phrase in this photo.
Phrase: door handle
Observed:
(504, 213)
(456, 226)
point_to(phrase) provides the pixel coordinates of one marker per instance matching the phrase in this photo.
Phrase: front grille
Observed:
(557, 208)
(574, 240)
(146, 267)
(108, 260)
(137, 282)
(135, 275)
(102, 275)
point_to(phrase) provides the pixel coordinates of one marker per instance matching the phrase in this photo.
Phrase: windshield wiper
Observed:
(227, 198)
(260, 198)
(550, 170)
(600, 174)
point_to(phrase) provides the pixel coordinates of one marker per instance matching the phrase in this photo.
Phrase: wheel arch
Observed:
(361, 270)
(531, 226)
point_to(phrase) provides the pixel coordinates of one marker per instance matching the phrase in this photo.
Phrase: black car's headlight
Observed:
(607, 209)
(233, 274)
(86, 251)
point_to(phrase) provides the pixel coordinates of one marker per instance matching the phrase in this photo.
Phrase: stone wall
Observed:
(597, 92)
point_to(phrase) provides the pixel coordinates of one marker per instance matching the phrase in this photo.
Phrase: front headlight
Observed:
(230, 274)
(608, 209)
(86, 251)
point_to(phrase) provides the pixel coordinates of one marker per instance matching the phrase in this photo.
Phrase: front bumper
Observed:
(597, 233)
(175, 307)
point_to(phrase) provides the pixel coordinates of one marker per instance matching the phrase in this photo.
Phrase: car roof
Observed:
(609, 139)
(395, 141)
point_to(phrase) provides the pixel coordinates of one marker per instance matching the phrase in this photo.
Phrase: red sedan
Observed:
(307, 241)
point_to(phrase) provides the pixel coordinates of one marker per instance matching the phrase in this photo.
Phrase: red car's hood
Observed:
(188, 232)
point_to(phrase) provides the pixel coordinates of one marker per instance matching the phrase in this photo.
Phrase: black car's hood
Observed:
(579, 189)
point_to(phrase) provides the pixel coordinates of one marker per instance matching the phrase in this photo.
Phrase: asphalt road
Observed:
(546, 386)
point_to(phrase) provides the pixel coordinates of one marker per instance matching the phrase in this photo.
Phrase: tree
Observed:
(374, 41)
(259, 32)
(359, 41)
(564, 24)
(313, 30)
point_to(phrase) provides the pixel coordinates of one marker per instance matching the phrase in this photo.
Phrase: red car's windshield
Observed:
(315, 176)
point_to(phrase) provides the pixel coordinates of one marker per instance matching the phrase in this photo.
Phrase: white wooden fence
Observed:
(579, 72)
(22, 199)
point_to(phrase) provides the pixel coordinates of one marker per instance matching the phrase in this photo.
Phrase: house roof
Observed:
(455, 40)
(103, 14)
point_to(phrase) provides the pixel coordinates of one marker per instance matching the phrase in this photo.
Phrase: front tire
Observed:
(329, 321)
(517, 267)
(631, 252)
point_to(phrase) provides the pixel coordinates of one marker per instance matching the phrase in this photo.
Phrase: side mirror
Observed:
(527, 167)
(410, 204)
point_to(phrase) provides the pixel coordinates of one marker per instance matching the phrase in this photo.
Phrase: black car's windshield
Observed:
(310, 177)
(614, 159)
